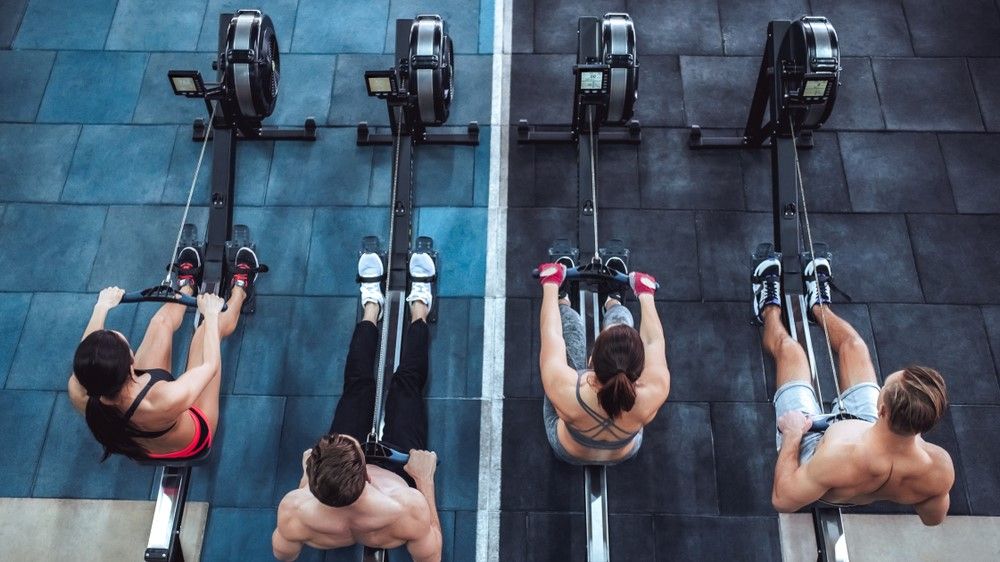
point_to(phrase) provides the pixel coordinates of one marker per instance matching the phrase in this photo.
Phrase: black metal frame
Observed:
(776, 135)
(225, 134)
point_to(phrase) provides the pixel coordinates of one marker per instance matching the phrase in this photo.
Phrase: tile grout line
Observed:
(494, 301)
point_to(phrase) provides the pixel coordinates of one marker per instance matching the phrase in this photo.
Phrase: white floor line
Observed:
(495, 302)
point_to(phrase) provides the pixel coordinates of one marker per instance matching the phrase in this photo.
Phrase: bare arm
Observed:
(655, 374)
(933, 511)
(426, 544)
(794, 485)
(558, 378)
(289, 535)
(106, 300)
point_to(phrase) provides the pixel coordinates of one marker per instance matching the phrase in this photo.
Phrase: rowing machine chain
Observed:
(593, 178)
(812, 254)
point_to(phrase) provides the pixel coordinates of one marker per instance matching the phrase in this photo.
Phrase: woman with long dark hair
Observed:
(117, 391)
(595, 409)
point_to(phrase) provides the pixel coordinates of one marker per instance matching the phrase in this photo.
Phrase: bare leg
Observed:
(790, 359)
(371, 313)
(418, 311)
(157, 345)
(208, 400)
(854, 363)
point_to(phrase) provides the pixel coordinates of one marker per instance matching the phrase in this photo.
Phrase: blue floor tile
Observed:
(331, 171)
(360, 29)
(867, 28)
(953, 28)
(473, 91)
(675, 27)
(460, 236)
(973, 170)
(464, 544)
(136, 245)
(461, 21)
(306, 86)
(487, 13)
(46, 232)
(23, 75)
(111, 82)
(456, 338)
(80, 25)
(986, 76)
(29, 412)
(306, 419)
(453, 433)
(134, 27)
(239, 534)
(744, 24)
(253, 164)
(157, 101)
(70, 464)
(52, 330)
(481, 191)
(282, 236)
(296, 346)
(10, 19)
(13, 312)
(350, 102)
(247, 445)
(857, 105)
(35, 160)
(895, 172)
(120, 164)
(707, 80)
(281, 12)
(333, 253)
(902, 88)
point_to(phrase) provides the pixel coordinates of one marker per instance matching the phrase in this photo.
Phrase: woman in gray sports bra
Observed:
(595, 410)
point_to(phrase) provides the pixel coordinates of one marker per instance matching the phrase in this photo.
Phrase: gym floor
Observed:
(96, 159)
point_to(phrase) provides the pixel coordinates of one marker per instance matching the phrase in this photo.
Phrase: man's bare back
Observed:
(389, 513)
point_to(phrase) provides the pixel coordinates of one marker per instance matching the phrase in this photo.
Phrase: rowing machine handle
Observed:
(179, 298)
(576, 273)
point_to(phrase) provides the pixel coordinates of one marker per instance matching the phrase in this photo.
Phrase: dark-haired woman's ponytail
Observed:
(617, 395)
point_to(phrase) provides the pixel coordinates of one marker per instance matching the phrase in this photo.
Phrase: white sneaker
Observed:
(370, 267)
(421, 265)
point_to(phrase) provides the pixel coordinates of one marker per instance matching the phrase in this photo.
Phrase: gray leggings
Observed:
(576, 355)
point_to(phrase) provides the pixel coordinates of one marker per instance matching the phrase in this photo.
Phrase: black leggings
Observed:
(405, 410)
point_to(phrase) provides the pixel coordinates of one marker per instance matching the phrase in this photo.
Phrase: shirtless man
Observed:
(341, 500)
(877, 452)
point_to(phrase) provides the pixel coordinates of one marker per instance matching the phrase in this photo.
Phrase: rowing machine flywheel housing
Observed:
(432, 71)
(810, 72)
(618, 52)
(251, 68)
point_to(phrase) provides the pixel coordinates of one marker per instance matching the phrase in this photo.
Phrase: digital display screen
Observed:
(184, 84)
(379, 84)
(591, 80)
(815, 88)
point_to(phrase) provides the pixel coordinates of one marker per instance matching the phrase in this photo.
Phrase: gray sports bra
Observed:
(603, 425)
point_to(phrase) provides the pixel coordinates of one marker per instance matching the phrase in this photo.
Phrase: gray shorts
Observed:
(576, 355)
(860, 400)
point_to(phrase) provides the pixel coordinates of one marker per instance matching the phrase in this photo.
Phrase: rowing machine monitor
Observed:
(380, 83)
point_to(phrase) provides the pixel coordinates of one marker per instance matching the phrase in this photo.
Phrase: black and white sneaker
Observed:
(817, 279)
(188, 267)
(247, 268)
(616, 264)
(766, 280)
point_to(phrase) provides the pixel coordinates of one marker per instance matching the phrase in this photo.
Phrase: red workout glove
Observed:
(552, 273)
(642, 283)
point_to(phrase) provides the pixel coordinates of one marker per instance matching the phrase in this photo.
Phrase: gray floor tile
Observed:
(986, 77)
(23, 75)
(675, 26)
(902, 87)
(743, 436)
(552, 537)
(896, 172)
(556, 22)
(521, 346)
(822, 173)
(697, 538)
(522, 26)
(857, 105)
(725, 243)
(672, 176)
(661, 97)
(539, 228)
(686, 454)
(45, 232)
(631, 536)
(953, 29)
(911, 334)
(867, 28)
(744, 24)
(973, 171)
(10, 19)
(977, 438)
(547, 175)
(718, 90)
(36, 160)
(70, 464)
(29, 412)
(713, 353)
(992, 316)
(950, 276)
(541, 88)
